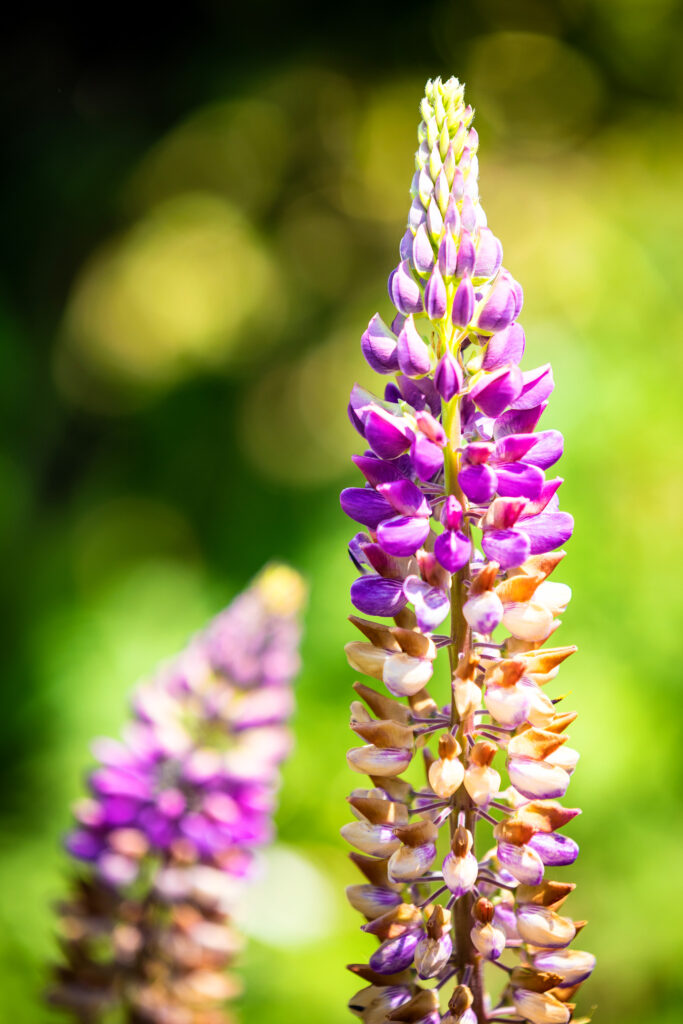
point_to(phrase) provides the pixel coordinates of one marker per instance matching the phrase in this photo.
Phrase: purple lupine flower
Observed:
(461, 518)
(175, 812)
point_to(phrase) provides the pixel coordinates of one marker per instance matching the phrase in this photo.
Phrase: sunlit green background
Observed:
(198, 220)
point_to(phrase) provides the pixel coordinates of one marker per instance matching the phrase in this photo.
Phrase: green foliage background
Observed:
(200, 216)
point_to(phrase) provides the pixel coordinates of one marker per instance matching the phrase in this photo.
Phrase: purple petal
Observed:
(548, 531)
(517, 480)
(478, 452)
(519, 296)
(119, 810)
(452, 217)
(494, 392)
(404, 290)
(489, 255)
(378, 345)
(448, 254)
(478, 483)
(365, 505)
(431, 428)
(513, 447)
(518, 421)
(484, 612)
(451, 513)
(386, 434)
(377, 471)
(468, 214)
(505, 347)
(426, 457)
(507, 547)
(526, 868)
(537, 386)
(435, 296)
(83, 844)
(431, 604)
(546, 500)
(403, 535)
(422, 251)
(112, 782)
(374, 595)
(463, 304)
(406, 498)
(466, 257)
(547, 449)
(453, 550)
(395, 955)
(448, 378)
(413, 354)
(506, 511)
(498, 311)
(553, 849)
(416, 214)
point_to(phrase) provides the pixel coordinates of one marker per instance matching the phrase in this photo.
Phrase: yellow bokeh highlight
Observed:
(172, 295)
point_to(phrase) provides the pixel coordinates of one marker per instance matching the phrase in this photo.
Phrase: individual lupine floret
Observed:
(175, 813)
(460, 519)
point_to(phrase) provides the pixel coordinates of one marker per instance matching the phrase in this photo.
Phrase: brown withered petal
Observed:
(468, 665)
(543, 564)
(366, 658)
(483, 753)
(382, 706)
(543, 661)
(424, 1002)
(461, 844)
(374, 869)
(376, 632)
(483, 910)
(395, 922)
(535, 743)
(422, 704)
(439, 920)
(545, 815)
(379, 812)
(448, 746)
(530, 978)
(373, 978)
(505, 673)
(396, 789)
(385, 733)
(361, 999)
(518, 588)
(406, 618)
(561, 722)
(485, 579)
(359, 713)
(460, 1000)
(548, 894)
(567, 993)
(412, 642)
(417, 833)
(509, 831)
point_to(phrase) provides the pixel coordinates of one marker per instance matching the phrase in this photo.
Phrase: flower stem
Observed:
(465, 956)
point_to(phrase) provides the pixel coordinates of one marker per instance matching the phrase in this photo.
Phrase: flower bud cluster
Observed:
(176, 810)
(460, 520)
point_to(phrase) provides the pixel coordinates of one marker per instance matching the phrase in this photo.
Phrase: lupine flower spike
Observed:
(459, 520)
(166, 838)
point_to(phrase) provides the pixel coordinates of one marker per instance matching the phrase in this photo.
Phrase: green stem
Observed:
(465, 953)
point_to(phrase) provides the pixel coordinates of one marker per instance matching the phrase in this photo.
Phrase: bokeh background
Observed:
(199, 214)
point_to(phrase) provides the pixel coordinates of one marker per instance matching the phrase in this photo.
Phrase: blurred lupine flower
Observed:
(459, 519)
(177, 807)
